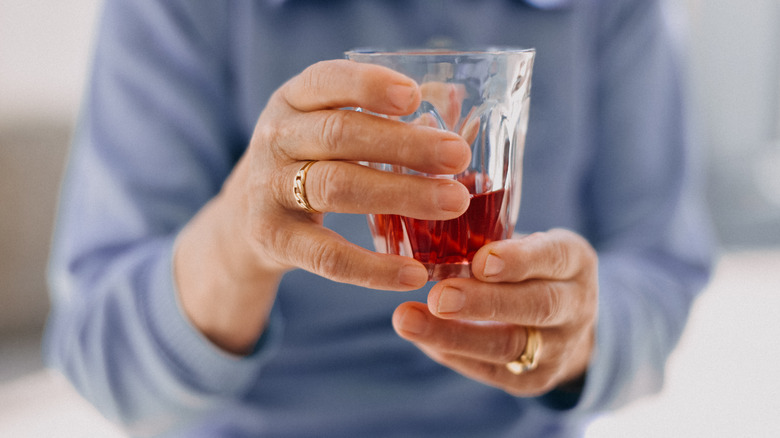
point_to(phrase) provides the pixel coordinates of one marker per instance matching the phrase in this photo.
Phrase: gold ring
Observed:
(529, 359)
(299, 188)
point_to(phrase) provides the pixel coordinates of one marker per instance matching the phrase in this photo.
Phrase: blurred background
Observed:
(721, 381)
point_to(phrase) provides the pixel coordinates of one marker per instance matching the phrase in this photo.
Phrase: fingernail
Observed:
(413, 275)
(451, 153)
(401, 96)
(413, 321)
(452, 196)
(451, 300)
(493, 265)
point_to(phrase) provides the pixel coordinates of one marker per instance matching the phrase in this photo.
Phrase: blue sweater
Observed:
(175, 91)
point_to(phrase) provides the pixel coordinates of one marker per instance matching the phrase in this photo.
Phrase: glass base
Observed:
(443, 271)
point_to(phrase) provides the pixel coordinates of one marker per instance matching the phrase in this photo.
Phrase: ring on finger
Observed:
(529, 358)
(299, 188)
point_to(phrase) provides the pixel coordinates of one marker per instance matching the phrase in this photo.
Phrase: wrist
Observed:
(225, 294)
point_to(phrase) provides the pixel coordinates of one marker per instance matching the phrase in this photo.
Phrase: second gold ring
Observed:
(299, 188)
(529, 359)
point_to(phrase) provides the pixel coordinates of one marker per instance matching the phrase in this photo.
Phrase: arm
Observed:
(154, 143)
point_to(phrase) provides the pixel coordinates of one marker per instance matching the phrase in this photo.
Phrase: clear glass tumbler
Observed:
(484, 96)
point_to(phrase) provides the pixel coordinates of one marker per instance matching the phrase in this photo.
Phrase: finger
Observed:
(528, 384)
(325, 253)
(343, 83)
(354, 136)
(557, 254)
(491, 342)
(470, 128)
(481, 350)
(352, 188)
(446, 98)
(539, 303)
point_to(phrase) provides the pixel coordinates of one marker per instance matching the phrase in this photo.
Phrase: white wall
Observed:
(44, 51)
(735, 79)
(44, 47)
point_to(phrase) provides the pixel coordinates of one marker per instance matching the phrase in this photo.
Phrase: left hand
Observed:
(475, 326)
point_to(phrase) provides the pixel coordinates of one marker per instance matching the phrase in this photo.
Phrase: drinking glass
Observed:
(484, 96)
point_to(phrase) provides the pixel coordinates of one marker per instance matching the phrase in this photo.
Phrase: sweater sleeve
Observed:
(154, 143)
(647, 217)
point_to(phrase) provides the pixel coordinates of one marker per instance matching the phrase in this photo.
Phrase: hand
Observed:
(303, 122)
(544, 280)
(237, 248)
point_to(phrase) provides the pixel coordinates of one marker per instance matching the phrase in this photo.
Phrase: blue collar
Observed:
(540, 4)
(548, 4)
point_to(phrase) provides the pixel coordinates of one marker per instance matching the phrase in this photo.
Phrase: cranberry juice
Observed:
(450, 242)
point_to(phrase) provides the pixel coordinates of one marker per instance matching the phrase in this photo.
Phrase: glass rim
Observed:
(435, 51)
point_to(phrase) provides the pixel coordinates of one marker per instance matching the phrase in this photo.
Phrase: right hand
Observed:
(230, 258)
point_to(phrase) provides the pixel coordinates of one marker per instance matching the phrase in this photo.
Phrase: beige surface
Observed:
(722, 381)
(32, 157)
(44, 405)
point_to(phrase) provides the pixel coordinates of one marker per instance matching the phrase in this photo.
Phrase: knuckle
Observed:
(511, 348)
(328, 261)
(332, 187)
(265, 134)
(333, 131)
(560, 259)
(269, 136)
(278, 242)
(272, 138)
(496, 307)
(449, 344)
(545, 303)
(449, 340)
(271, 242)
(280, 185)
(311, 77)
(551, 306)
(536, 237)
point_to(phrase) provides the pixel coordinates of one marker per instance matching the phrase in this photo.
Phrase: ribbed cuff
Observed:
(194, 359)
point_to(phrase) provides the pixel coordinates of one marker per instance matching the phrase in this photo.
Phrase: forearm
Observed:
(225, 289)
(645, 299)
(122, 340)
(151, 149)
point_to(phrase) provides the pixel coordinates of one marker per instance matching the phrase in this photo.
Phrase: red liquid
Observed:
(451, 242)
